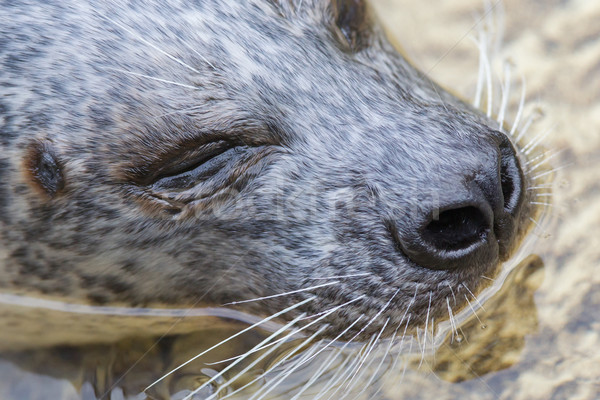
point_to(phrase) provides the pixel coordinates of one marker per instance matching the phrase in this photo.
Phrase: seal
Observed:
(206, 152)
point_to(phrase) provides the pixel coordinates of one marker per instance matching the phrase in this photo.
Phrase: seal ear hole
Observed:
(353, 22)
(44, 168)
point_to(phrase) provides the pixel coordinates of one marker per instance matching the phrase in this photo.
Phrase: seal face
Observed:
(218, 151)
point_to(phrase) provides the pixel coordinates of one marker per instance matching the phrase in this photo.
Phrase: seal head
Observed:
(190, 152)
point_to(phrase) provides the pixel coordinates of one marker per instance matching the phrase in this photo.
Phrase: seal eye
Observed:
(44, 168)
(181, 174)
(352, 19)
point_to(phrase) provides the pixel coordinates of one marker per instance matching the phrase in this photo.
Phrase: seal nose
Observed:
(473, 225)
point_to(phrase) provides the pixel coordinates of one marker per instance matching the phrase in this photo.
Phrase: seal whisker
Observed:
(542, 159)
(202, 57)
(324, 367)
(540, 203)
(474, 297)
(481, 70)
(351, 368)
(538, 226)
(551, 171)
(282, 294)
(541, 186)
(233, 364)
(451, 291)
(474, 312)
(338, 337)
(536, 141)
(340, 276)
(339, 374)
(353, 379)
(382, 360)
(141, 39)
(520, 108)
(425, 333)
(372, 338)
(290, 308)
(294, 332)
(453, 328)
(534, 116)
(271, 368)
(405, 315)
(485, 74)
(489, 84)
(505, 95)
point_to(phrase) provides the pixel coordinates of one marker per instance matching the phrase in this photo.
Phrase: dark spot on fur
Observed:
(116, 284)
(98, 298)
(4, 199)
(44, 168)
(130, 266)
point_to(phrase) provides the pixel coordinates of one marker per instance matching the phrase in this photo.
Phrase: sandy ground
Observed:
(555, 44)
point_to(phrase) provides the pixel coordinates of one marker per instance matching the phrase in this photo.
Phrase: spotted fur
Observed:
(341, 139)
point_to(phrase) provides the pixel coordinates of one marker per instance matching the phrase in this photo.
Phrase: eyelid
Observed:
(189, 158)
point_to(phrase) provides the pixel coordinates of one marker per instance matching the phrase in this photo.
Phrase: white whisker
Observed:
(537, 113)
(551, 171)
(543, 186)
(340, 373)
(541, 203)
(295, 332)
(505, 95)
(341, 276)
(349, 371)
(383, 358)
(353, 380)
(339, 336)
(290, 308)
(282, 294)
(474, 297)
(520, 108)
(544, 161)
(233, 364)
(453, 329)
(272, 367)
(535, 142)
(451, 291)
(324, 367)
(425, 334)
(480, 75)
(474, 312)
(141, 39)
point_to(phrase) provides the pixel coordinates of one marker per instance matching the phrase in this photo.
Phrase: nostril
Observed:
(510, 178)
(457, 229)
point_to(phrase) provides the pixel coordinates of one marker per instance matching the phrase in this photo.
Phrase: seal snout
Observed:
(472, 224)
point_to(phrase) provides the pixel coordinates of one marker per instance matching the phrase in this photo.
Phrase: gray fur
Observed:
(107, 85)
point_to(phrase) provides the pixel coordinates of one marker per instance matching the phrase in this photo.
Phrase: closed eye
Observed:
(188, 170)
